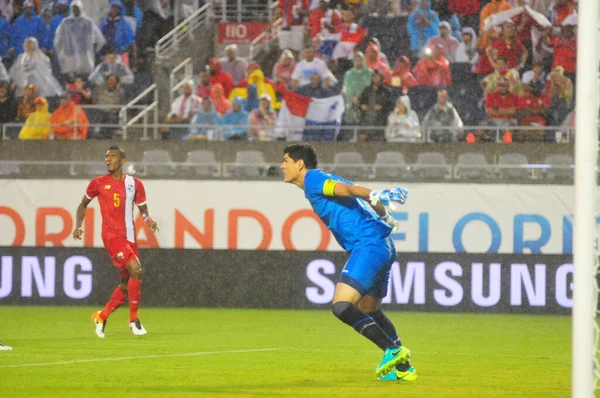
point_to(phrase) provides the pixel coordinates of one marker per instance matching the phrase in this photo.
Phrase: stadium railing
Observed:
(175, 83)
(265, 38)
(280, 132)
(168, 45)
(142, 115)
(242, 11)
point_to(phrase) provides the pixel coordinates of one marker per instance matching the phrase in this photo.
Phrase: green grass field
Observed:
(265, 353)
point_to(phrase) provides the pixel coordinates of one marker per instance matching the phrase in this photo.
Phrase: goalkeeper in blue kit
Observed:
(358, 219)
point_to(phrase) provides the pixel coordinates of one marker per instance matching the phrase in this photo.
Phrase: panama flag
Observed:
(341, 43)
(309, 119)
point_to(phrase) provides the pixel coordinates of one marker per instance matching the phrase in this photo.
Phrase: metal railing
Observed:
(562, 134)
(265, 38)
(177, 17)
(281, 132)
(244, 11)
(168, 45)
(174, 83)
(143, 115)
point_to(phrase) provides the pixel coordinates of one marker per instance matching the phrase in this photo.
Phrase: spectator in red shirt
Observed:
(484, 48)
(533, 105)
(401, 76)
(532, 109)
(433, 69)
(501, 105)
(79, 93)
(282, 71)
(565, 49)
(217, 76)
(203, 89)
(510, 47)
(464, 7)
(323, 18)
(292, 13)
(561, 10)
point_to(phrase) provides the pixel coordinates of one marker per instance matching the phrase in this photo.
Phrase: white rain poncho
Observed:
(33, 66)
(74, 43)
(3, 73)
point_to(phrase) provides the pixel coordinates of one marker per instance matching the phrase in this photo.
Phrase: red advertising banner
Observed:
(239, 32)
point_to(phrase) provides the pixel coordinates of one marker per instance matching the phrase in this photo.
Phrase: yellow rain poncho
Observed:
(37, 124)
(257, 78)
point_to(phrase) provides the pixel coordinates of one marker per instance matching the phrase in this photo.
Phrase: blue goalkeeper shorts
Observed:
(368, 268)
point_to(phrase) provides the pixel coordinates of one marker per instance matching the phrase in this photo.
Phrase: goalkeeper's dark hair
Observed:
(118, 148)
(306, 152)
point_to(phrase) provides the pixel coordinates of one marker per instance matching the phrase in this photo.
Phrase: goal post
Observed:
(584, 247)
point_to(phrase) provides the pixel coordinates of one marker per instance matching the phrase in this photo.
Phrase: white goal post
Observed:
(584, 333)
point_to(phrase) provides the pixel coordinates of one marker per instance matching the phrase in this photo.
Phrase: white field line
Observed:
(188, 354)
(416, 353)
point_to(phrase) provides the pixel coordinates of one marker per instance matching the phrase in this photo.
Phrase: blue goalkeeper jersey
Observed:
(351, 220)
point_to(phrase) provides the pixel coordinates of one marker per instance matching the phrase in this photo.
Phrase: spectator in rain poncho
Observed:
(69, 122)
(27, 25)
(116, 30)
(6, 8)
(262, 120)
(182, 111)
(355, 81)
(4, 35)
(37, 125)
(111, 65)
(33, 66)
(235, 123)
(221, 103)
(203, 124)
(3, 73)
(403, 123)
(422, 25)
(76, 42)
(467, 50)
(257, 78)
(96, 9)
(62, 11)
(237, 67)
(251, 102)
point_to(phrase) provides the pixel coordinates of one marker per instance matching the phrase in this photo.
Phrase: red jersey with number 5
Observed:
(116, 200)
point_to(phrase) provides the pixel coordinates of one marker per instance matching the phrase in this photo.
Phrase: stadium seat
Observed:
(249, 164)
(9, 169)
(204, 164)
(422, 98)
(461, 72)
(165, 169)
(471, 166)
(431, 165)
(389, 164)
(513, 166)
(561, 168)
(350, 165)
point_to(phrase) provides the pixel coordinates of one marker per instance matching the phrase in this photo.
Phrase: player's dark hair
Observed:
(117, 148)
(306, 152)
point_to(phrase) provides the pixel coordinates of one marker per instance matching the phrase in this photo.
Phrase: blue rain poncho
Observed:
(117, 31)
(24, 27)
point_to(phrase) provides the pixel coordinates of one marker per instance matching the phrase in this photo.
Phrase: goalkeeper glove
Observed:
(387, 196)
(392, 222)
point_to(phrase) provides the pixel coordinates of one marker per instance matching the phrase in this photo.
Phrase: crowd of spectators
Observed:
(59, 56)
(519, 70)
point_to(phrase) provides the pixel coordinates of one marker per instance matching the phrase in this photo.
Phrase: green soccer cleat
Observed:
(409, 375)
(391, 358)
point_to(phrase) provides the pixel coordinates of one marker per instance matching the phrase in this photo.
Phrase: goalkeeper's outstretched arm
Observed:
(356, 191)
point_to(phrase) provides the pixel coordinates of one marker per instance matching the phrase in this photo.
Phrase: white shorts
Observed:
(292, 39)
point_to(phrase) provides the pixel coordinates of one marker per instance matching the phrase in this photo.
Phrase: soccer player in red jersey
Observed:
(117, 193)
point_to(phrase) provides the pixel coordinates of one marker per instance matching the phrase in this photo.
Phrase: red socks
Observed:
(134, 289)
(116, 300)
